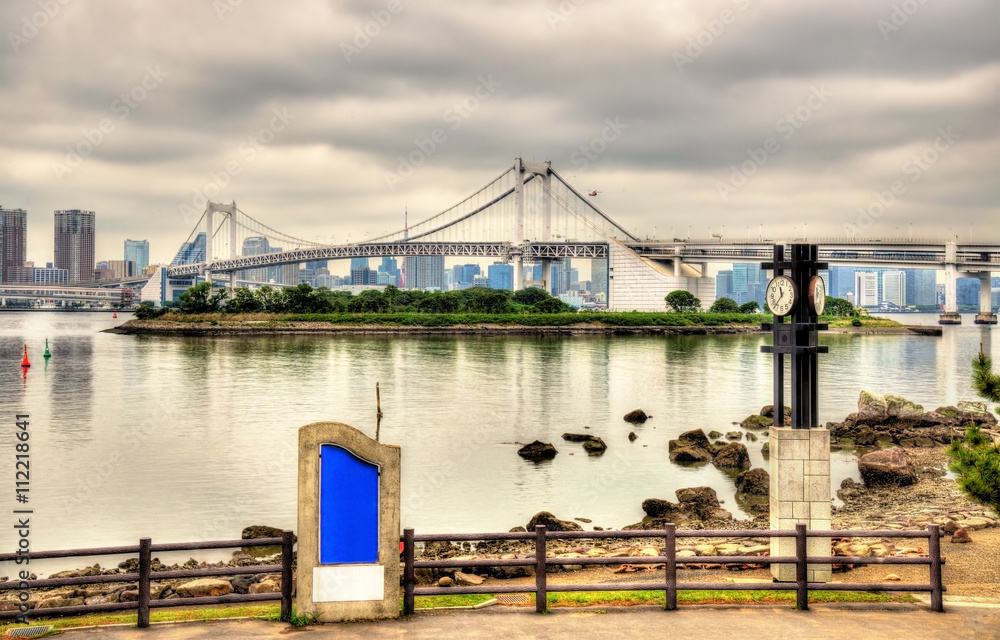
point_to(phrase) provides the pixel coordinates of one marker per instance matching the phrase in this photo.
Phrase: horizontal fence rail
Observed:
(670, 586)
(145, 574)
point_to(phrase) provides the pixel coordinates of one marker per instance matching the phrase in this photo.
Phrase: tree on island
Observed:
(749, 307)
(530, 295)
(976, 458)
(724, 305)
(200, 299)
(839, 307)
(682, 301)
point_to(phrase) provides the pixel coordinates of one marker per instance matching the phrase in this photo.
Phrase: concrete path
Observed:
(821, 622)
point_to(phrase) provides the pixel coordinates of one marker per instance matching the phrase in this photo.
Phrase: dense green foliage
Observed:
(976, 458)
(749, 307)
(682, 301)
(724, 305)
(145, 311)
(839, 307)
(304, 299)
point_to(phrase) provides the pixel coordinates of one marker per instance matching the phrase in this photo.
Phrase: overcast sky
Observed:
(791, 115)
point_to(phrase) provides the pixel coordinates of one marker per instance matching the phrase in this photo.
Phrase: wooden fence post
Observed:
(541, 595)
(145, 553)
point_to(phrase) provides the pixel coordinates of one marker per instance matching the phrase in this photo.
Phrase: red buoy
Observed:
(25, 362)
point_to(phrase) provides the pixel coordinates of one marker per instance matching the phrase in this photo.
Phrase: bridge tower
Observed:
(950, 315)
(229, 211)
(542, 171)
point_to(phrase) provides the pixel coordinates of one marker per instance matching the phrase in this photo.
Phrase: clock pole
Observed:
(799, 454)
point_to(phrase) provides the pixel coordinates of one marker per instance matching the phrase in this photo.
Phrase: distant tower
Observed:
(74, 244)
(13, 242)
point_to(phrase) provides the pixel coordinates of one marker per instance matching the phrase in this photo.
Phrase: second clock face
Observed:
(781, 295)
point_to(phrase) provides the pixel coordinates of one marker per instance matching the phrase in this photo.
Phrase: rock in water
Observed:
(757, 422)
(576, 437)
(636, 416)
(632, 436)
(537, 450)
(733, 455)
(594, 446)
(756, 482)
(872, 408)
(890, 467)
(695, 438)
(552, 523)
(690, 455)
(899, 407)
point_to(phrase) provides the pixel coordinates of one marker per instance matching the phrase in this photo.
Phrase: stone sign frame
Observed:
(362, 579)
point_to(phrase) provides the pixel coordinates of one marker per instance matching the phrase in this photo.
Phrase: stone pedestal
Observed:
(800, 492)
(950, 317)
(986, 318)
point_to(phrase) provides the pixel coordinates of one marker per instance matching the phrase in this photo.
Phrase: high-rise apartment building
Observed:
(75, 233)
(137, 251)
(191, 252)
(501, 276)
(425, 272)
(920, 285)
(599, 275)
(13, 243)
(866, 289)
(894, 288)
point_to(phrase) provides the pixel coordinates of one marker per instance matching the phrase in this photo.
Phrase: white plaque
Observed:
(348, 583)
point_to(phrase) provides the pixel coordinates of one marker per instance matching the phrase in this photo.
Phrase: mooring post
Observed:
(541, 595)
(145, 552)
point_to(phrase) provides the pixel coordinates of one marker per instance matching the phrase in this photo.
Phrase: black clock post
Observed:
(800, 455)
(797, 338)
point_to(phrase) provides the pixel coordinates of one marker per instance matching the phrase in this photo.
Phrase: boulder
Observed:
(756, 482)
(576, 437)
(961, 536)
(241, 583)
(636, 416)
(694, 437)
(265, 586)
(657, 508)
(714, 435)
(256, 531)
(552, 523)
(872, 407)
(732, 456)
(204, 587)
(595, 446)
(900, 407)
(757, 422)
(690, 455)
(698, 497)
(49, 603)
(632, 436)
(734, 435)
(537, 450)
(751, 437)
(766, 450)
(888, 467)
(972, 406)
(468, 579)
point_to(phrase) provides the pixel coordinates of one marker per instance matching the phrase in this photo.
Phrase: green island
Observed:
(532, 309)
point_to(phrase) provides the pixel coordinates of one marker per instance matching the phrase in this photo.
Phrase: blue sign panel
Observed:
(348, 508)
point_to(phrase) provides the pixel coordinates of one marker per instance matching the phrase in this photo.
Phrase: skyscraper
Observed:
(425, 272)
(501, 276)
(255, 246)
(74, 244)
(894, 288)
(13, 242)
(599, 275)
(841, 281)
(920, 285)
(866, 292)
(359, 263)
(137, 251)
(191, 252)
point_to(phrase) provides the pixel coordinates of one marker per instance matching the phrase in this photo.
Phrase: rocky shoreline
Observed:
(268, 327)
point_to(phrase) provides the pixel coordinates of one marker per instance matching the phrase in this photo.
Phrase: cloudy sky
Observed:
(873, 117)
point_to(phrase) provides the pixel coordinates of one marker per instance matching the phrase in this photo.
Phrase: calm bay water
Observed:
(194, 438)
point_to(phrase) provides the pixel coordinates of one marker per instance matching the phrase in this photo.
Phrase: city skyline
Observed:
(333, 120)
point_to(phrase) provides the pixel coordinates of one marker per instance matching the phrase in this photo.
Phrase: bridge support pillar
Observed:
(547, 276)
(985, 315)
(950, 315)
(518, 273)
(232, 283)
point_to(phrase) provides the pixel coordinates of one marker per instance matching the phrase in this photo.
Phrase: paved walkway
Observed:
(821, 622)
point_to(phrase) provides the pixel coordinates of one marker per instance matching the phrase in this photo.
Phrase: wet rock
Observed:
(695, 437)
(766, 450)
(714, 435)
(734, 435)
(632, 436)
(537, 450)
(756, 482)
(732, 456)
(552, 523)
(757, 422)
(872, 407)
(888, 467)
(690, 455)
(576, 437)
(657, 508)
(636, 416)
(595, 446)
(900, 407)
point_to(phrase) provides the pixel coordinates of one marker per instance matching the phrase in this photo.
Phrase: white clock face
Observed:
(781, 295)
(817, 295)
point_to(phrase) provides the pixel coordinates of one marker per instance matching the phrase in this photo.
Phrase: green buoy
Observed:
(46, 355)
